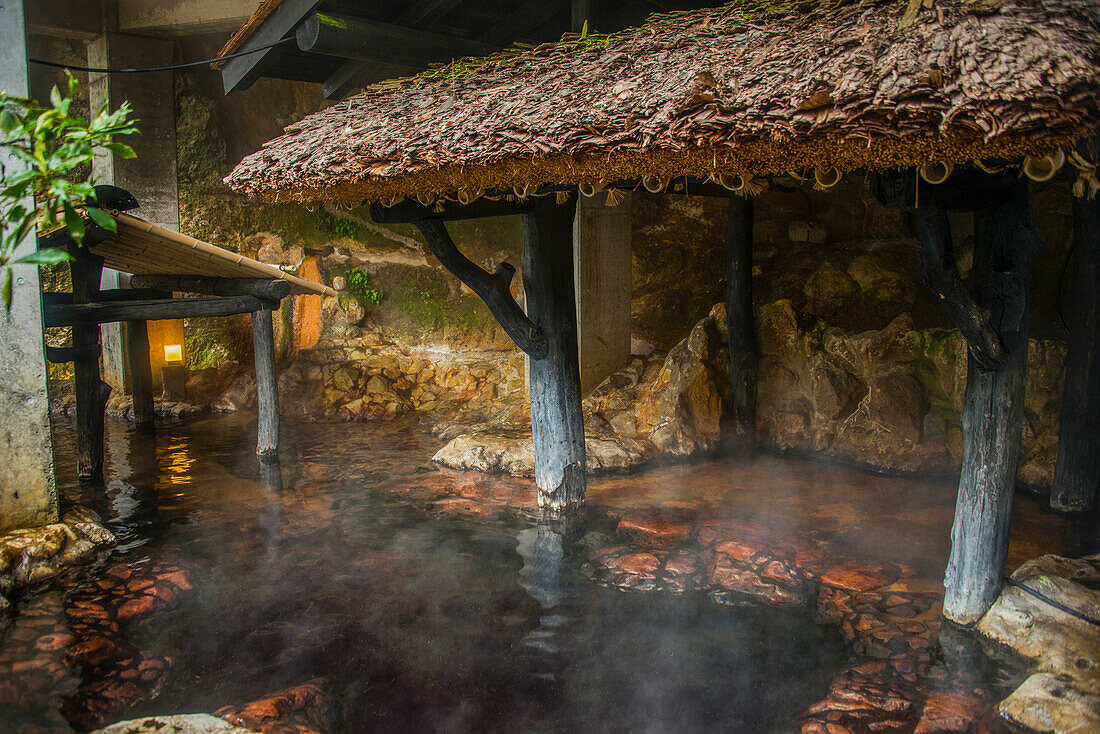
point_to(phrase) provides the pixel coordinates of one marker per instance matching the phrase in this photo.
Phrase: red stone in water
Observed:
(164, 592)
(180, 579)
(463, 507)
(741, 551)
(948, 712)
(95, 651)
(639, 564)
(136, 607)
(681, 564)
(713, 531)
(778, 572)
(54, 641)
(856, 576)
(652, 530)
(137, 585)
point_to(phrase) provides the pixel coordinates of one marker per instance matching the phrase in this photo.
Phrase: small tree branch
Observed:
(492, 288)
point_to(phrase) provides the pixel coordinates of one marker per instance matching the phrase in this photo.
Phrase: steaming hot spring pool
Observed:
(415, 613)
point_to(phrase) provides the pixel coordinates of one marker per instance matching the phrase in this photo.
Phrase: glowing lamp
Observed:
(173, 353)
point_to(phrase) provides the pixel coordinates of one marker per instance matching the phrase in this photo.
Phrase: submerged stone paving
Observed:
(889, 619)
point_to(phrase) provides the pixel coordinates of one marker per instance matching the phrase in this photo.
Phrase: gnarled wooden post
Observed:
(744, 352)
(91, 391)
(995, 325)
(1006, 247)
(557, 422)
(1077, 473)
(547, 333)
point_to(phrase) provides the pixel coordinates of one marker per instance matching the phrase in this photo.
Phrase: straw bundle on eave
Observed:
(728, 90)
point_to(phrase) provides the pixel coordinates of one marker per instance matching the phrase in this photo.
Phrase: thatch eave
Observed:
(708, 93)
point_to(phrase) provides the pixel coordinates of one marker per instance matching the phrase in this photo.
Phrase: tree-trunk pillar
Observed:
(91, 391)
(267, 391)
(1006, 247)
(557, 423)
(1077, 474)
(141, 375)
(743, 348)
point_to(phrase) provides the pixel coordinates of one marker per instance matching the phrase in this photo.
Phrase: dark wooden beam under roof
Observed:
(423, 13)
(350, 38)
(241, 72)
(526, 16)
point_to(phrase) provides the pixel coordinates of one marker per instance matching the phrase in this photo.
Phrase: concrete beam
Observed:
(601, 264)
(151, 177)
(182, 17)
(81, 19)
(28, 494)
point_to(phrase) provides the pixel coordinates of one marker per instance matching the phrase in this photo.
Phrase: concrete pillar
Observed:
(601, 265)
(28, 495)
(151, 177)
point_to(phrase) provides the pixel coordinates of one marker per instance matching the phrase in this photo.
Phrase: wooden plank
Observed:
(271, 290)
(267, 389)
(1077, 473)
(492, 288)
(557, 419)
(140, 247)
(83, 314)
(241, 72)
(1006, 247)
(52, 298)
(61, 355)
(141, 375)
(744, 353)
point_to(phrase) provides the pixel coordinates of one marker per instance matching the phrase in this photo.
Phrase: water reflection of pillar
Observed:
(546, 579)
(271, 515)
(133, 470)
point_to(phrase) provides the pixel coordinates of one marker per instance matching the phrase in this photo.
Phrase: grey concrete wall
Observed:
(601, 259)
(151, 177)
(28, 495)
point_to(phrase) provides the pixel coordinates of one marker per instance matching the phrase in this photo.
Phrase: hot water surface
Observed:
(413, 621)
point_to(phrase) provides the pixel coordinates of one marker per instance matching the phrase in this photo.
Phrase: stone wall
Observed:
(859, 363)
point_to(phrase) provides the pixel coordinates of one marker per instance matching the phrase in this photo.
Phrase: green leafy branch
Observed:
(52, 145)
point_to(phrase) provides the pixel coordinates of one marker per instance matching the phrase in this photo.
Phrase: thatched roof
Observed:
(754, 87)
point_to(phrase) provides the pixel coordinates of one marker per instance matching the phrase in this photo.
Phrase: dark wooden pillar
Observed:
(744, 351)
(1006, 247)
(91, 391)
(557, 422)
(141, 375)
(267, 391)
(1077, 474)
